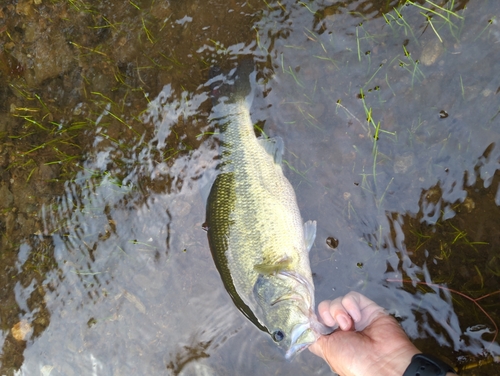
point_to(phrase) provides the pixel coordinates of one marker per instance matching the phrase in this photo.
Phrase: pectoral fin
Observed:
(268, 268)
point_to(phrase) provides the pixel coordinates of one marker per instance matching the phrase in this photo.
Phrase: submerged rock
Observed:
(22, 330)
(431, 52)
(6, 197)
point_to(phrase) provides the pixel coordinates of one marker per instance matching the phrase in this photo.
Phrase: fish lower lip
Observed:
(294, 350)
(297, 332)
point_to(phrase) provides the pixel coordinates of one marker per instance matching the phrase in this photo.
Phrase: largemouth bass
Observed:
(258, 240)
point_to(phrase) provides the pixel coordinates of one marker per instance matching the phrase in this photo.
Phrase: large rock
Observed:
(51, 57)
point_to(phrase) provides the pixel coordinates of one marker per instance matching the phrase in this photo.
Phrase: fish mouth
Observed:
(302, 336)
(305, 334)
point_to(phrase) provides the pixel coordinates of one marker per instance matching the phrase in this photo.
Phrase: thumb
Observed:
(317, 348)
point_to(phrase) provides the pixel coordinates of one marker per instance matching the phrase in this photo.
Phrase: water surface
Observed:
(390, 114)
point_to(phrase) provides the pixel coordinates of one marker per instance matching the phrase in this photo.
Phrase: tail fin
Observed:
(234, 86)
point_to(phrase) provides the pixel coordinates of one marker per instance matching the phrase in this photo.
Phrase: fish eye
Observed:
(278, 335)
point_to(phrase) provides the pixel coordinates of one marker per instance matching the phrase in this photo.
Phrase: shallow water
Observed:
(107, 149)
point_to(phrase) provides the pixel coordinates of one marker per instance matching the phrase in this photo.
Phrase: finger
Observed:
(324, 313)
(362, 310)
(332, 312)
(317, 348)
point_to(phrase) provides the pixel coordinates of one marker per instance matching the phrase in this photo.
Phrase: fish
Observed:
(256, 235)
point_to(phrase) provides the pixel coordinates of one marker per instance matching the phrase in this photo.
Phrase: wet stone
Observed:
(432, 51)
(51, 57)
(6, 197)
(46, 370)
(443, 114)
(32, 32)
(181, 208)
(402, 163)
(332, 242)
(24, 195)
(469, 204)
(25, 222)
(49, 172)
(24, 8)
(22, 330)
(317, 110)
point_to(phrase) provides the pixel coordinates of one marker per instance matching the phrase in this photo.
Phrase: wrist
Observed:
(428, 365)
(396, 364)
(401, 364)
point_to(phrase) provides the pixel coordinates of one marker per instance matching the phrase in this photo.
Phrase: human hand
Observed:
(369, 342)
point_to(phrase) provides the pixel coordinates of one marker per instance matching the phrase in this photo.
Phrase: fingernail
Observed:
(343, 322)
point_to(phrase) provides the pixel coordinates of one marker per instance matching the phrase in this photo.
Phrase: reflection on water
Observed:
(462, 217)
(390, 117)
